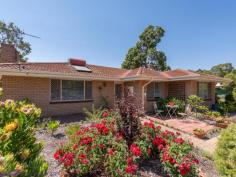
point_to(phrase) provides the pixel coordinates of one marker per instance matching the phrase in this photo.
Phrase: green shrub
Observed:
(196, 104)
(18, 146)
(95, 114)
(179, 103)
(72, 129)
(225, 155)
(53, 126)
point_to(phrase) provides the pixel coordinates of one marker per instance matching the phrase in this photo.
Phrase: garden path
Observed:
(208, 145)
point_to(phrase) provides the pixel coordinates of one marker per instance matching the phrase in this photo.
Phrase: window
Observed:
(153, 91)
(118, 91)
(55, 89)
(204, 90)
(70, 90)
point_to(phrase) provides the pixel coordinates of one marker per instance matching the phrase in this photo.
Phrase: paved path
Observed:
(205, 145)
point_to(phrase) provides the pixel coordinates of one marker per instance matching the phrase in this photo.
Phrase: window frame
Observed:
(70, 101)
(154, 91)
(208, 90)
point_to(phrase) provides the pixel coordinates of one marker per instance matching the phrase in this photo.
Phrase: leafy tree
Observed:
(219, 70)
(145, 53)
(11, 34)
(222, 69)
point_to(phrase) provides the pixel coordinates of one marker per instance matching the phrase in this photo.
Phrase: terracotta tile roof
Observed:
(179, 73)
(101, 72)
(145, 72)
(65, 68)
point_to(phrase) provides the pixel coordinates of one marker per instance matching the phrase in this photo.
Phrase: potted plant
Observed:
(200, 133)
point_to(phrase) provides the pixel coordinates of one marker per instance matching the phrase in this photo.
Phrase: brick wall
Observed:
(38, 91)
(8, 54)
(176, 90)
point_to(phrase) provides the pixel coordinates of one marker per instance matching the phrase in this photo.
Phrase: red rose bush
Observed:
(101, 149)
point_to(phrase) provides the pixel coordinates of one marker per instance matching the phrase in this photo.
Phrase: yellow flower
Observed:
(2, 169)
(5, 136)
(10, 104)
(11, 126)
(25, 154)
(19, 167)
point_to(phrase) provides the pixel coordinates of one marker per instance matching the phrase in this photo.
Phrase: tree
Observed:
(222, 69)
(145, 53)
(219, 70)
(11, 34)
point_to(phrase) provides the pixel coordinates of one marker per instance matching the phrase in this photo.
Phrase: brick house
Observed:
(67, 88)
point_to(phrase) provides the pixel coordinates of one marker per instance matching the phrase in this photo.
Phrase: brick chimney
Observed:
(8, 54)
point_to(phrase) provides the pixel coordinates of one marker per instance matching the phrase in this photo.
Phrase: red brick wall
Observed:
(8, 54)
(38, 91)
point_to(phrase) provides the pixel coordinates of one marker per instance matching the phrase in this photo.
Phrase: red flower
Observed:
(119, 136)
(172, 161)
(85, 141)
(177, 133)
(75, 146)
(149, 124)
(160, 147)
(85, 161)
(102, 146)
(196, 161)
(130, 160)
(157, 141)
(179, 140)
(165, 156)
(131, 169)
(135, 150)
(68, 159)
(110, 151)
(82, 156)
(105, 114)
(58, 154)
(102, 128)
(184, 168)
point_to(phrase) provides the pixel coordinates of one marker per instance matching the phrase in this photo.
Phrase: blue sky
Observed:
(199, 34)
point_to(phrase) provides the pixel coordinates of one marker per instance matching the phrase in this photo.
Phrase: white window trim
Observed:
(61, 100)
(208, 94)
(154, 91)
